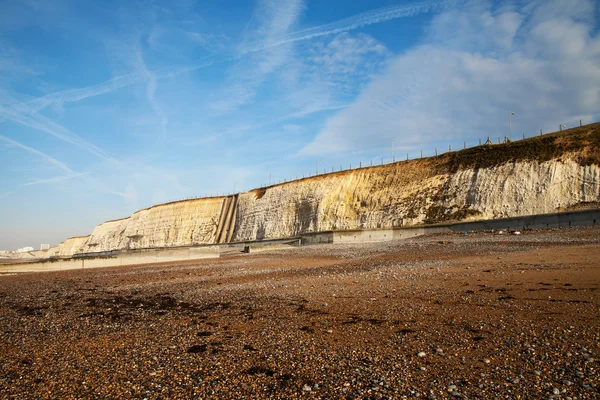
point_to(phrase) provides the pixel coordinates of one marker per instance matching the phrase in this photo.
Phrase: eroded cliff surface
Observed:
(534, 176)
(520, 188)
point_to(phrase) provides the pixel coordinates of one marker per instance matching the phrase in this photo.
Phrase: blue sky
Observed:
(107, 107)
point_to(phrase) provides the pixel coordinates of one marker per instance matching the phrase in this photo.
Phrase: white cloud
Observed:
(541, 61)
(343, 63)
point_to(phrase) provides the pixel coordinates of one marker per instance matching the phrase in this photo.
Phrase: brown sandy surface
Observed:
(445, 316)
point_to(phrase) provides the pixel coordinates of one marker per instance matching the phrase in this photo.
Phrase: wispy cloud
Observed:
(119, 82)
(23, 114)
(151, 86)
(371, 17)
(331, 71)
(273, 20)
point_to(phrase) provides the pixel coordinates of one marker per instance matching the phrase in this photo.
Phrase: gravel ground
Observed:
(480, 316)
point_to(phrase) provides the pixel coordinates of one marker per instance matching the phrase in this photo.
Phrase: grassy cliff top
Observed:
(583, 142)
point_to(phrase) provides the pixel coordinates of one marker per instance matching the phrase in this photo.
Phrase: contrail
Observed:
(23, 115)
(111, 85)
(366, 18)
(73, 95)
(55, 179)
(61, 165)
(45, 156)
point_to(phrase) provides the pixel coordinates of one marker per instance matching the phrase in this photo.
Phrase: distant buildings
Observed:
(24, 250)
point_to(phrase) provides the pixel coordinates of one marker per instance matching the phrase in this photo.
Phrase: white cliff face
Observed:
(368, 198)
(69, 247)
(391, 196)
(108, 236)
(177, 224)
(523, 188)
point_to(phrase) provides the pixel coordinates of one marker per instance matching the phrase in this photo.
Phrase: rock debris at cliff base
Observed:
(442, 316)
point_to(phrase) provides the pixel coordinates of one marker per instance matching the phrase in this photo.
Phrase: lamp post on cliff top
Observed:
(317, 167)
(510, 113)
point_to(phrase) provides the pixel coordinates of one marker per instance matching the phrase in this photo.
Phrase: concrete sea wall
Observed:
(553, 220)
(115, 260)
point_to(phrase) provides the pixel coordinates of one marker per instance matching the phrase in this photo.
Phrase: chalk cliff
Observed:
(69, 247)
(534, 176)
(389, 196)
(175, 224)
